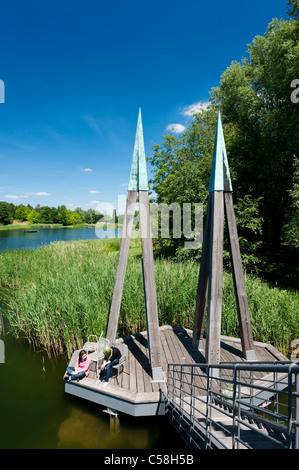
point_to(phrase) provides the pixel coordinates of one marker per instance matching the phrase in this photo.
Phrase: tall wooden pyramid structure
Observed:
(138, 184)
(209, 293)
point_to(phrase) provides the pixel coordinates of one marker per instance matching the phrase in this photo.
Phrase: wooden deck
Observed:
(137, 394)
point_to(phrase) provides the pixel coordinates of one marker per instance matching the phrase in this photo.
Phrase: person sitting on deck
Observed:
(81, 368)
(112, 357)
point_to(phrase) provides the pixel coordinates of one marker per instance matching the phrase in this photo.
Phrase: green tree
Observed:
(5, 213)
(72, 217)
(182, 164)
(255, 96)
(291, 228)
(62, 214)
(114, 217)
(33, 217)
(294, 8)
(182, 168)
(22, 212)
(46, 216)
(56, 216)
(81, 213)
(249, 223)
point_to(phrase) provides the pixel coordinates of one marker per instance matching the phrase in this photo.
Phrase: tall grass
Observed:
(57, 295)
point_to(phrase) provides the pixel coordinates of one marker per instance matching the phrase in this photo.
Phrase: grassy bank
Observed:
(57, 295)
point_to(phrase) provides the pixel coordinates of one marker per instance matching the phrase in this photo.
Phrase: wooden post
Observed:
(203, 283)
(239, 283)
(215, 284)
(150, 287)
(121, 265)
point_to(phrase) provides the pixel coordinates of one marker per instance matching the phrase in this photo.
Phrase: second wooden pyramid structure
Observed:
(209, 293)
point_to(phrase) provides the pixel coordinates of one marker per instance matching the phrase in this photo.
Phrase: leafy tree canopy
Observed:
(255, 95)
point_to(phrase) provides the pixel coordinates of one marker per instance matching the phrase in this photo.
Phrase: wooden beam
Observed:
(121, 266)
(215, 278)
(154, 343)
(203, 281)
(238, 277)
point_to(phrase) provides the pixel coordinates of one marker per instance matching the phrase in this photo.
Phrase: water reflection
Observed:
(85, 430)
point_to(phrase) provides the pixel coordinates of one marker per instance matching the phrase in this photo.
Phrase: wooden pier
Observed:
(174, 371)
(137, 394)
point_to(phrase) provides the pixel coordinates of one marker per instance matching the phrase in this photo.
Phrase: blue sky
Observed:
(76, 73)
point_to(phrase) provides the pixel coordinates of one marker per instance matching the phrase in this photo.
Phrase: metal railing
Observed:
(235, 405)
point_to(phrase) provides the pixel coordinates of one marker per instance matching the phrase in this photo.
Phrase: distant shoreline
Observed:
(57, 226)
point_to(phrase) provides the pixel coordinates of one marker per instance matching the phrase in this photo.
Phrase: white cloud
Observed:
(195, 108)
(176, 128)
(95, 192)
(14, 196)
(94, 202)
(41, 193)
(87, 169)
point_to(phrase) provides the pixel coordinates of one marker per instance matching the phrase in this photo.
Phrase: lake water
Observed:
(36, 413)
(17, 239)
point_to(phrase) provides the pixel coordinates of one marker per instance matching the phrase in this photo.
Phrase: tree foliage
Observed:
(5, 213)
(182, 167)
(294, 8)
(291, 228)
(261, 123)
(46, 214)
(255, 95)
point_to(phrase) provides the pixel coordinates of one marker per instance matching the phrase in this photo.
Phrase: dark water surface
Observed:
(36, 413)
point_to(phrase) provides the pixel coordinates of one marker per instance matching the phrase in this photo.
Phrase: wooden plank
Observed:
(146, 371)
(132, 368)
(215, 284)
(167, 353)
(238, 276)
(172, 358)
(177, 338)
(124, 378)
(181, 356)
(121, 266)
(198, 381)
(138, 368)
(174, 352)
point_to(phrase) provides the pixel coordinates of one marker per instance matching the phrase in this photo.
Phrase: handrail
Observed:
(205, 399)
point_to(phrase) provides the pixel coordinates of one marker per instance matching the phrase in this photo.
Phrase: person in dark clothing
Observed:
(112, 357)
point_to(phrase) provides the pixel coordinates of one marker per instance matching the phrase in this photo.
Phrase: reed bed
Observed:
(57, 295)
